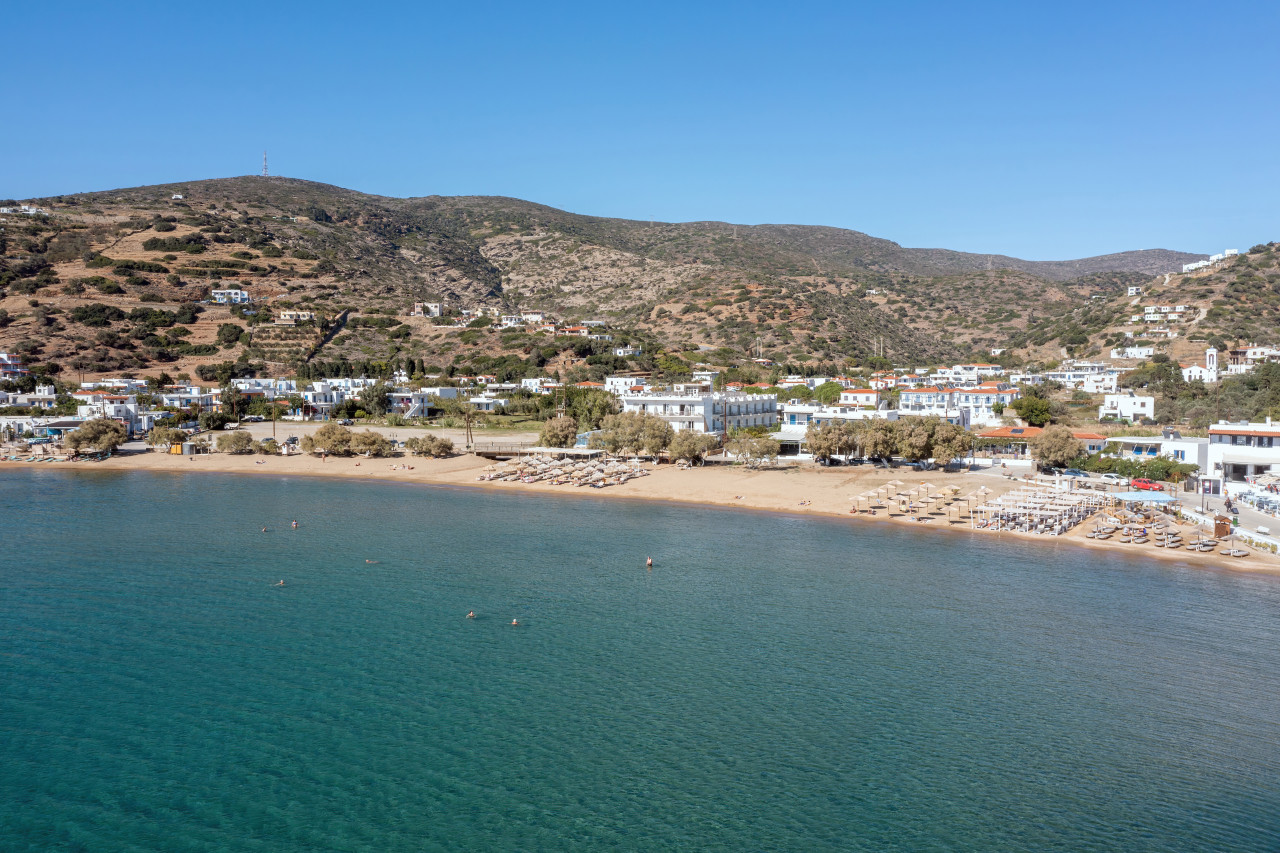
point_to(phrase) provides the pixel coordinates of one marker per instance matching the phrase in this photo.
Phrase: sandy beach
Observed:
(803, 490)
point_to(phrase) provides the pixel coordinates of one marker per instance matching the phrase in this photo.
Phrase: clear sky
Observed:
(1044, 131)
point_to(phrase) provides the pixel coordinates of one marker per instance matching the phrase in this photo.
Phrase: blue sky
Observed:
(1023, 129)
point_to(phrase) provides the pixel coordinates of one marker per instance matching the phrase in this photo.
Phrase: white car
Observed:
(1114, 480)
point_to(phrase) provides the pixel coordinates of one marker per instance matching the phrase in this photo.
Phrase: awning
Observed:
(1148, 497)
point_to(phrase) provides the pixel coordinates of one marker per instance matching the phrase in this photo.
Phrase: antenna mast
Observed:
(264, 164)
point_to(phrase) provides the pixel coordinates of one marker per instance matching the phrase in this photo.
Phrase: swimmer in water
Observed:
(295, 524)
(514, 623)
(371, 561)
(280, 584)
(471, 614)
(264, 530)
(649, 562)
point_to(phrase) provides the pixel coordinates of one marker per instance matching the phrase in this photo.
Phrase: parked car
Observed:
(1074, 472)
(1147, 485)
(346, 422)
(1114, 479)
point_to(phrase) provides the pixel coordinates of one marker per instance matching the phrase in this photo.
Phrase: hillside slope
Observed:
(799, 294)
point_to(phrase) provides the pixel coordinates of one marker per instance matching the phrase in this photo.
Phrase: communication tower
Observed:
(264, 164)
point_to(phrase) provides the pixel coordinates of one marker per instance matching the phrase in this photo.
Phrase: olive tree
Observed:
(330, 438)
(101, 434)
(558, 432)
(370, 443)
(429, 445)
(692, 447)
(1055, 447)
(237, 441)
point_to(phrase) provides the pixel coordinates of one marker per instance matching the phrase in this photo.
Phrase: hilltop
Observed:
(798, 294)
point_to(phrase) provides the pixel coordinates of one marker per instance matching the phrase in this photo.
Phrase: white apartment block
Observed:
(711, 412)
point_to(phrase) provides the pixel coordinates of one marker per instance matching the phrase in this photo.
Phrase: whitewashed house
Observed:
(1127, 406)
(230, 296)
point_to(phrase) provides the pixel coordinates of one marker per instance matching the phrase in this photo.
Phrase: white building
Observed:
(122, 408)
(1135, 290)
(1243, 450)
(1207, 373)
(427, 309)
(186, 396)
(627, 352)
(1133, 352)
(1101, 383)
(539, 385)
(1170, 445)
(1127, 406)
(861, 397)
(293, 318)
(709, 412)
(233, 296)
(11, 367)
(981, 404)
(620, 385)
(417, 403)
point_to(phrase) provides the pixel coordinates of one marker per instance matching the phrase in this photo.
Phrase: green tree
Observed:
(950, 442)
(332, 439)
(370, 443)
(879, 439)
(1055, 447)
(101, 434)
(1036, 411)
(915, 438)
(558, 432)
(429, 445)
(827, 393)
(376, 399)
(692, 447)
(165, 437)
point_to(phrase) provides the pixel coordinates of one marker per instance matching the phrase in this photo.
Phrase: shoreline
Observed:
(801, 492)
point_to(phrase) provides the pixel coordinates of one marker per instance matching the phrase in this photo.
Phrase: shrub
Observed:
(140, 266)
(370, 443)
(238, 441)
(161, 225)
(95, 315)
(192, 244)
(304, 255)
(429, 445)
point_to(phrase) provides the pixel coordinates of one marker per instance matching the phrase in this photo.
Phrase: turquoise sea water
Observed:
(775, 683)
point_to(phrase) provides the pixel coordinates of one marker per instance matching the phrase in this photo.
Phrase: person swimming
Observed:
(264, 530)
(371, 561)
(649, 562)
(514, 623)
(281, 583)
(471, 614)
(295, 524)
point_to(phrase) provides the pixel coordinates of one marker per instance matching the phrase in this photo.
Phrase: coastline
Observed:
(807, 491)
